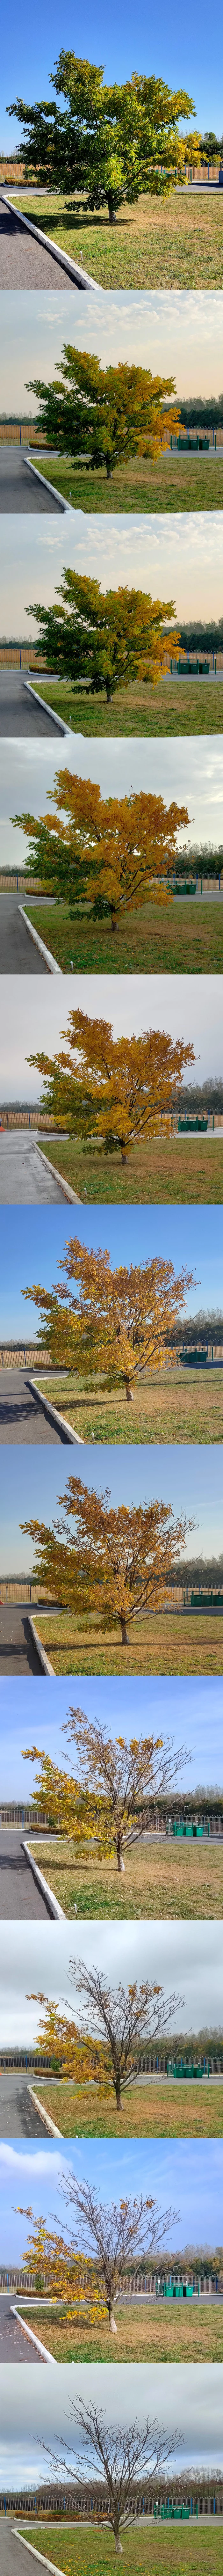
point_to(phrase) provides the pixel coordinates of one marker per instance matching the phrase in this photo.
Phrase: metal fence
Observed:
(84, 2506)
(29, 1357)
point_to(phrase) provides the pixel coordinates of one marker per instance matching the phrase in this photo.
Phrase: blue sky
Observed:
(188, 1712)
(190, 1479)
(184, 2176)
(33, 1243)
(184, 49)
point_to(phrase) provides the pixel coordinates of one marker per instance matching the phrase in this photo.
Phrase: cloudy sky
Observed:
(190, 1967)
(183, 2175)
(173, 334)
(37, 2409)
(187, 53)
(186, 768)
(176, 558)
(31, 1481)
(188, 1712)
(33, 1242)
(32, 1017)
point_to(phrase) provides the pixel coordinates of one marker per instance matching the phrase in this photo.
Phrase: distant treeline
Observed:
(205, 862)
(199, 1569)
(197, 1328)
(201, 1096)
(195, 636)
(199, 412)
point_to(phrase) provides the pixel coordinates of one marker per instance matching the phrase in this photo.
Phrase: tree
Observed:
(120, 1563)
(115, 1776)
(110, 855)
(121, 1088)
(123, 2453)
(112, 2237)
(110, 143)
(120, 2021)
(102, 416)
(105, 637)
(112, 1324)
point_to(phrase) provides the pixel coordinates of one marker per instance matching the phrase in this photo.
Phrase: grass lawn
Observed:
(182, 1643)
(170, 1405)
(162, 1880)
(173, 482)
(174, 939)
(152, 2110)
(189, 2550)
(184, 1171)
(175, 243)
(145, 2333)
(171, 708)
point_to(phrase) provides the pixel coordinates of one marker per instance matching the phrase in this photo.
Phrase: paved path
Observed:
(18, 1654)
(20, 1897)
(18, 953)
(19, 488)
(22, 714)
(15, 2561)
(18, 2115)
(21, 1417)
(14, 2345)
(23, 1177)
(23, 261)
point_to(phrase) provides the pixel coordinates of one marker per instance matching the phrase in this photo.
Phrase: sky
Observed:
(33, 1242)
(175, 334)
(178, 559)
(36, 2409)
(188, 1964)
(186, 768)
(186, 2177)
(31, 1019)
(189, 1713)
(30, 1484)
(185, 51)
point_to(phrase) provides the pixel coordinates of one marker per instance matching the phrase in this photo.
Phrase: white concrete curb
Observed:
(75, 1437)
(49, 961)
(55, 1909)
(59, 1176)
(43, 1658)
(44, 2115)
(35, 2553)
(80, 275)
(48, 711)
(49, 487)
(33, 2338)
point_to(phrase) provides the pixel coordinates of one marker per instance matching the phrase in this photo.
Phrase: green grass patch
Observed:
(169, 1405)
(184, 1172)
(171, 708)
(151, 2110)
(177, 242)
(145, 2333)
(173, 482)
(182, 1643)
(163, 1880)
(194, 2550)
(179, 939)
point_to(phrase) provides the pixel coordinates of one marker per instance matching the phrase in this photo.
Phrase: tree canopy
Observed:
(120, 1561)
(102, 415)
(105, 637)
(112, 1323)
(118, 2021)
(115, 1778)
(110, 2237)
(109, 855)
(110, 143)
(112, 1090)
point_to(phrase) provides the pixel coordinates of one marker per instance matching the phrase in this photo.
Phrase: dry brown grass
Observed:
(177, 242)
(162, 1879)
(146, 2332)
(168, 1405)
(158, 2108)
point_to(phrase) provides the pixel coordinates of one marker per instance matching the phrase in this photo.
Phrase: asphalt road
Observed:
(20, 1897)
(22, 714)
(18, 1654)
(23, 261)
(23, 1177)
(19, 488)
(21, 1417)
(14, 2345)
(18, 953)
(14, 2559)
(18, 2115)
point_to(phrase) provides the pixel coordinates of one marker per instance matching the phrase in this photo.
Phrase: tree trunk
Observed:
(108, 466)
(111, 209)
(112, 2324)
(118, 2545)
(123, 1155)
(118, 2093)
(108, 692)
(124, 1633)
(121, 1863)
(114, 924)
(129, 1391)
